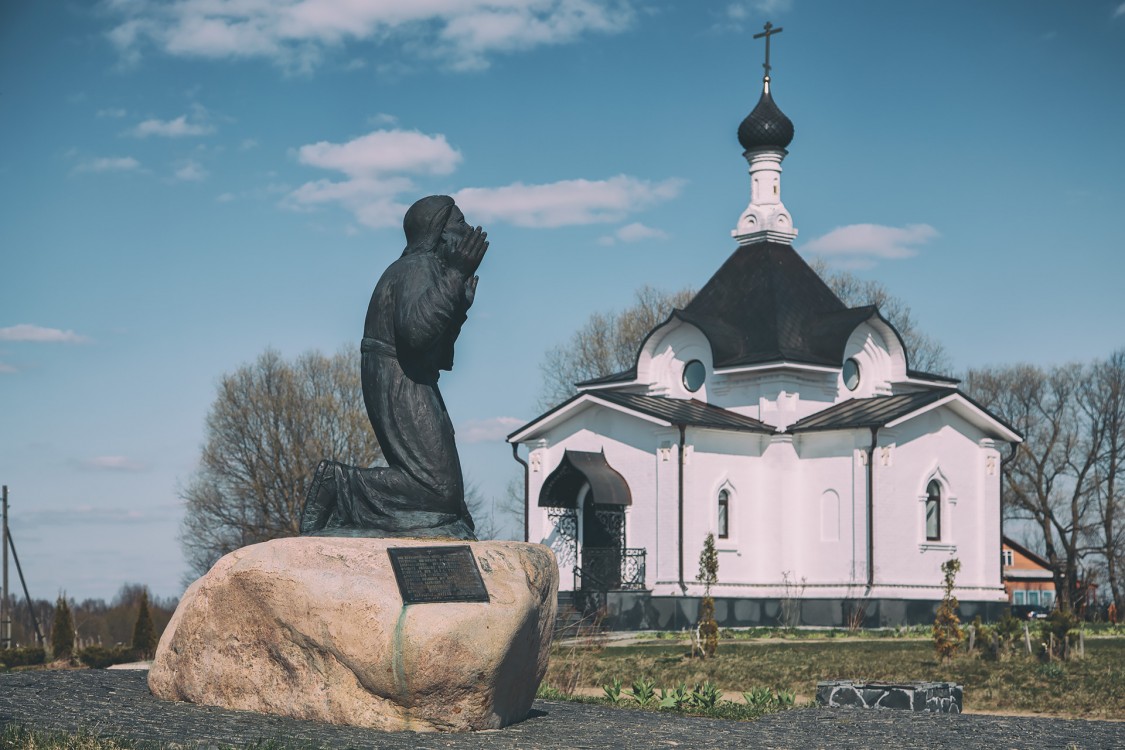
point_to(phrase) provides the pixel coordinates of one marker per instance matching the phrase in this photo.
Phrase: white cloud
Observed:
(384, 151)
(635, 232)
(382, 119)
(177, 128)
(296, 33)
(375, 166)
(373, 201)
(29, 332)
(247, 144)
(871, 241)
(1120, 11)
(7, 369)
(736, 15)
(112, 463)
(226, 197)
(567, 202)
(191, 171)
(109, 164)
(112, 112)
(487, 430)
(378, 169)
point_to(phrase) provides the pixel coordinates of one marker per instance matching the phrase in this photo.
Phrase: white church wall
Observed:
(834, 501)
(938, 446)
(797, 504)
(716, 461)
(778, 397)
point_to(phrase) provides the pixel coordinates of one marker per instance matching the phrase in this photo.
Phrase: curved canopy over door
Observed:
(607, 486)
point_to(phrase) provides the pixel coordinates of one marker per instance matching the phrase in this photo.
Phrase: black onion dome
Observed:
(765, 127)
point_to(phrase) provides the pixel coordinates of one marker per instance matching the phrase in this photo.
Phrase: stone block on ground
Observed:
(315, 628)
(931, 697)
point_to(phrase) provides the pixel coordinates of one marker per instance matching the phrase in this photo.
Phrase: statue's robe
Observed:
(415, 316)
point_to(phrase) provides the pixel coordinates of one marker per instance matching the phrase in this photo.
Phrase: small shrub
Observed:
(765, 699)
(676, 697)
(644, 691)
(760, 697)
(1055, 631)
(792, 592)
(708, 576)
(708, 628)
(62, 632)
(613, 690)
(546, 692)
(22, 657)
(705, 696)
(144, 634)
(100, 657)
(1051, 670)
(947, 625)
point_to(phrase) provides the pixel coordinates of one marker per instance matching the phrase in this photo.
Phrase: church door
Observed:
(603, 543)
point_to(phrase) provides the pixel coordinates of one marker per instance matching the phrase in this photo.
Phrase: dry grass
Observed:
(1093, 687)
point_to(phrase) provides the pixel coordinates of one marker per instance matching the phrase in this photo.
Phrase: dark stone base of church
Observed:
(639, 610)
(932, 697)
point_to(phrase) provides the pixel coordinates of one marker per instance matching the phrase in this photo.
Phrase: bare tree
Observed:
(923, 351)
(607, 343)
(271, 423)
(496, 517)
(1050, 480)
(1102, 401)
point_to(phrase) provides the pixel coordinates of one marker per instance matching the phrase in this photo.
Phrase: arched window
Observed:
(724, 514)
(933, 511)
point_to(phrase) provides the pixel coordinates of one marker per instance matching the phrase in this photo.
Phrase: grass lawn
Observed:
(1093, 687)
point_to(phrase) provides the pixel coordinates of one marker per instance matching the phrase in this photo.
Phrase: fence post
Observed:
(5, 602)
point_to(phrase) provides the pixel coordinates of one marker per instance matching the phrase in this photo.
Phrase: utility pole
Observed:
(6, 600)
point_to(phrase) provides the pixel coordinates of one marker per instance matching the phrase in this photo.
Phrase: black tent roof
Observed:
(682, 411)
(766, 304)
(560, 489)
(869, 412)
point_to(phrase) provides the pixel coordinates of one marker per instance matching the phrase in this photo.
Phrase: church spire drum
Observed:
(764, 135)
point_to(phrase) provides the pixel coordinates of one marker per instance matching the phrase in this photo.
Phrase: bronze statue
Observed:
(415, 315)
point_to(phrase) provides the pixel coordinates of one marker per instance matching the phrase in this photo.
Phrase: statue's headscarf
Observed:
(424, 222)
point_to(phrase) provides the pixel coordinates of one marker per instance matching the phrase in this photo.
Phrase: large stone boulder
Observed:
(315, 628)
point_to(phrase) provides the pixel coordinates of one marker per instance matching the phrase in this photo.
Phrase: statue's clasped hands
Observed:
(468, 254)
(466, 257)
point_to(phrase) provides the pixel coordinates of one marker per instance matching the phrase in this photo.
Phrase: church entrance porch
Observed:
(587, 500)
(603, 542)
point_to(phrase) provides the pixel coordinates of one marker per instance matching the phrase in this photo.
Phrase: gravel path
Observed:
(117, 703)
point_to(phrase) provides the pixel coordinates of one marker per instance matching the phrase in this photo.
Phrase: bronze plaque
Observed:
(437, 574)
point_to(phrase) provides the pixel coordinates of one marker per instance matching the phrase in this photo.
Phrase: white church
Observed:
(835, 479)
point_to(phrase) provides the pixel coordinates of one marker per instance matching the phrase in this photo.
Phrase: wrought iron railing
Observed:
(610, 569)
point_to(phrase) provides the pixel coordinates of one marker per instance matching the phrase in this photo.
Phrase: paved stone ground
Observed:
(117, 703)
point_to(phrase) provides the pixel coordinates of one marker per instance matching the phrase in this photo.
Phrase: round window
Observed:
(851, 374)
(694, 375)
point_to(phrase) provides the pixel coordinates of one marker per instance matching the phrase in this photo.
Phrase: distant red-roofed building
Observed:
(1027, 576)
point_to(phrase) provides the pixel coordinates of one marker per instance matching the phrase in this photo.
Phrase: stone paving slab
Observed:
(117, 703)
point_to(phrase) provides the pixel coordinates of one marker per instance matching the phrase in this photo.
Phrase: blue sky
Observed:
(187, 183)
